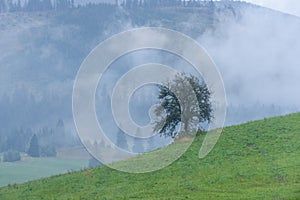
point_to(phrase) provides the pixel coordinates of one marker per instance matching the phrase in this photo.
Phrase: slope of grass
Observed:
(257, 160)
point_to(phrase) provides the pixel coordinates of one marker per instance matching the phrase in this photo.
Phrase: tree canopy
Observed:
(189, 111)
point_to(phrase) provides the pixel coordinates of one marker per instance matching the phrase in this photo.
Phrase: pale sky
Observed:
(287, 6)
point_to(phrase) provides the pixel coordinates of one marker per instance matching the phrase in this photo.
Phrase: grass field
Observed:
(35, 168)
(257, 160)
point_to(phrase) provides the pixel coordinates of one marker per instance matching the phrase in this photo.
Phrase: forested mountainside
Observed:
(42, 48)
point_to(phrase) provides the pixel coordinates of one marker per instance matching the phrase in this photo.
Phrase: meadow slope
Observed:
(257, 160)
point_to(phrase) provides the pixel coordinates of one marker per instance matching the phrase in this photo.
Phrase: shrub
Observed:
(11, 156)
(48, 151)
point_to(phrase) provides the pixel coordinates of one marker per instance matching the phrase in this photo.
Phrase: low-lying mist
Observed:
(258, 56)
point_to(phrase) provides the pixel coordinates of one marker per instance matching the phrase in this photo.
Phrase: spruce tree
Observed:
(34, 148)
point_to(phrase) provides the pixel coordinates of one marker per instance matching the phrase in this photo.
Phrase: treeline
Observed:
(19, 139)
(35, 5)
(130, 4)
(23, 115)
(34, 149)
(44, 5)
(35, 143)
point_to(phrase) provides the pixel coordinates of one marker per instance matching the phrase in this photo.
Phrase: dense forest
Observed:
(44, 5)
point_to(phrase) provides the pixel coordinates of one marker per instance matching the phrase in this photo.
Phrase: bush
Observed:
(48, 151)
(11, 156)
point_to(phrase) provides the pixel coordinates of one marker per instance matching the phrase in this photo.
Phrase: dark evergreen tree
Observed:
(19, 5)
(211, 5)
(64, 4)
(138, 146)
(34, 148)
(33, 5)
(59, 135)
(121, 140)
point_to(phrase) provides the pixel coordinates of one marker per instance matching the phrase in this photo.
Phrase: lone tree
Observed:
(193, 108)
(34, 148)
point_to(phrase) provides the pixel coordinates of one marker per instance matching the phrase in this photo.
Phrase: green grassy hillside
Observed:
(257, 160)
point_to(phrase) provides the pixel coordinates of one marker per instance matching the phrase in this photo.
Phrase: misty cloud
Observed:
(258, 57)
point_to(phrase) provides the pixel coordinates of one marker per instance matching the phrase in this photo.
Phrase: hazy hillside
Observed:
(257, 160)
(40, 53)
